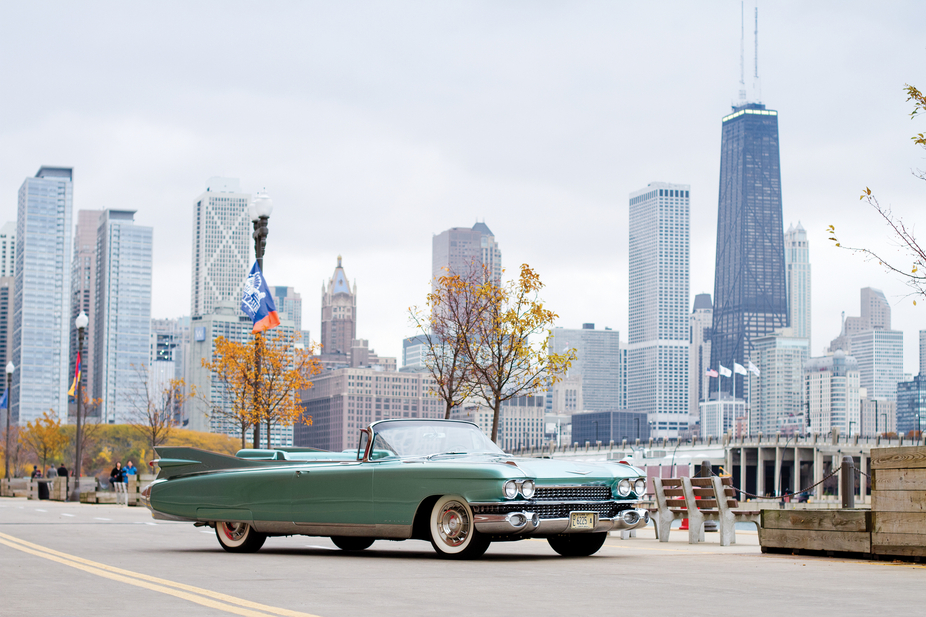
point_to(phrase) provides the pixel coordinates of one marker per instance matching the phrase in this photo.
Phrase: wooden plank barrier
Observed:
(847, 531)
(898, 501)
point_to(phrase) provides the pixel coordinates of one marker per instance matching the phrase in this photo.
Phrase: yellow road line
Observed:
(205, 597)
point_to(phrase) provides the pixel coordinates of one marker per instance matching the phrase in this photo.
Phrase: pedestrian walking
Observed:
(117, 480)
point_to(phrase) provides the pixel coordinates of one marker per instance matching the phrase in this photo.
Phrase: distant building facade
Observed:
(289, 301)
(221, 245)
(122, 315)
(750, 292)
(414, 353)
(832, 393)
(722, 416)
(42, 296)
(465, 250)
(776, 394)
(339, 316)
(875, 315)
(880, 361)
(911, 405)
(878, 416)
(83, 293)
(593, 381)
(8, 249)
(658, 336)
(699, 355)
(607, 426)
(797, 271)
(7, 284)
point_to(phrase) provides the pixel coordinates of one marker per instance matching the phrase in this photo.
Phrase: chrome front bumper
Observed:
(530, 524)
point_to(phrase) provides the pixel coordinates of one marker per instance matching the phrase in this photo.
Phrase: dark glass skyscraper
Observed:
(750, 293)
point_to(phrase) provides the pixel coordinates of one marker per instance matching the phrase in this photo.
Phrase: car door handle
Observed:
(298, 474)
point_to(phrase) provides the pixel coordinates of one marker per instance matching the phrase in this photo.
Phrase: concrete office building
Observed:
(339, 317)
(878, 416)
(699, 355)
(875, 315)
(343, 401)
(723, 416)
(750, 292)
(832, 394)
(880, 361)
(221, 245)
(121, 326)
(657, 350)
(797, 271)
(776, 394)
(289, 303)
(593, 381)
(42, 296)
(464, 250)
(229, 322)
(83, 294)
(8, 249)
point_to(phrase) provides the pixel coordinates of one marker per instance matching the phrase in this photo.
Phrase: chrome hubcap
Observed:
(234, 531)
(453, 524)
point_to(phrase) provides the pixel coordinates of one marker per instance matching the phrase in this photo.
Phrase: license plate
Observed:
(583, 520)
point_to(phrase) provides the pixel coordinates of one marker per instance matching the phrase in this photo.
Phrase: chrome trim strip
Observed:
(386, 532)
(500, 524)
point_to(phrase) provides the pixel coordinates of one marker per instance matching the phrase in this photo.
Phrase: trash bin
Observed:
(43, 489)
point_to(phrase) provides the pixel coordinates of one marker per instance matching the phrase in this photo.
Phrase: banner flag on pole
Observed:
(711, 373)
(3, 400)
(76, 377)
(753, 369)
(257, 303)
(724, 371)
(739, 369)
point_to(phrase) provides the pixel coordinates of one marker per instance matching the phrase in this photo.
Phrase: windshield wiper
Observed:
(430, 456)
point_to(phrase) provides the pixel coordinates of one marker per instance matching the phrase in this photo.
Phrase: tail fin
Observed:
(181, 461)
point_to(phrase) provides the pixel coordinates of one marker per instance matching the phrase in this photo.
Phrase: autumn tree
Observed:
(16, 448)
(508, 347)
(261, 381)
(44, 437)
(444, 324)
(155, 405)
(912, 266)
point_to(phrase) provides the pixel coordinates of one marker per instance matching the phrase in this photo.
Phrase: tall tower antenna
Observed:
(757, 42)
(756, 84)
(742, 54)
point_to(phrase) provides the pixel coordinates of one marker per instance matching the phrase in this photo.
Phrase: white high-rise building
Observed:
(797, 271)
(875, 315)
(831, 389)
(221, 245)
(699, 354)
(121, 328)
(657, 350)
(83, 293)
(42, 295)
(593, 381)
(880, 361)
(923, 352)
(7, 248)
(776, 394)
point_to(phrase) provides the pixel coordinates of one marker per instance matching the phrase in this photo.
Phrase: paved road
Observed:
(66, 559)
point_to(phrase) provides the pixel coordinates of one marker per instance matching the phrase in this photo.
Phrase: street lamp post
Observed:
(596, 431)
(260, 209)
(9, 405)
(81, 322)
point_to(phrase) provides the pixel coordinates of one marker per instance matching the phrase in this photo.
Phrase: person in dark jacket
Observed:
(117, 480)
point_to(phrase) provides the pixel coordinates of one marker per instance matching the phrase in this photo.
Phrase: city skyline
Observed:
(546, 166)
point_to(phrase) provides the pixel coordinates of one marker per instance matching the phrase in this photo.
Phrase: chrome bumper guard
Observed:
(528, 523)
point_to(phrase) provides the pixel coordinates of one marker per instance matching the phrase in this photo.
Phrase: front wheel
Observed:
(453, 530)
(577, 544)
(239, 537)
(348, 543)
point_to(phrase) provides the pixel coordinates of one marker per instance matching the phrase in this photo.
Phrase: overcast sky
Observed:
(374, 126)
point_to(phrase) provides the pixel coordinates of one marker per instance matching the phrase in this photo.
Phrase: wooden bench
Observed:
(699, 500)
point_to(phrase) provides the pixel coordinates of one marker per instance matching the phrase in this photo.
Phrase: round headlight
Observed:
(527, 489)
(511, 489)
(623, 487)
(639, 487)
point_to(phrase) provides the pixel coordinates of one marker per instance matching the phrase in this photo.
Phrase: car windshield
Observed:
(428, 438)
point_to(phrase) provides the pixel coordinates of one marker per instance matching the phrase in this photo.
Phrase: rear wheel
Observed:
(453, 530)
(348, 543)
(577, 544)
(239, 537)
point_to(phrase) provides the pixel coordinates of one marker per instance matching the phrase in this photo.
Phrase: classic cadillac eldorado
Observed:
(437, 480)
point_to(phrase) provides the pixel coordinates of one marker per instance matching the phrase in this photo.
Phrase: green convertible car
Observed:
(437, 480)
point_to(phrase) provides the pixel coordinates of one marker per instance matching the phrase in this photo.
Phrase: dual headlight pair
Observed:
(513, 487)
(625, 486)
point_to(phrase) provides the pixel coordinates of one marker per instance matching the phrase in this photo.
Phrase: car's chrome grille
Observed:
(605, 509)
(573, 493)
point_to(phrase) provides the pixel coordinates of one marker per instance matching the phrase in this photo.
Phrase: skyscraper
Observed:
(83, 292)
(122, 315)
(593, 381)
(339, 316)
(7, 284)
(289, 301)
(657, 353)
(462, 250)
(7, 249)
(750, 293)
(221, 245)
(797, 270)
(699, 353)
(875, 315)
(880, 361)
(42, 295)
(832, 393)
(776, 394)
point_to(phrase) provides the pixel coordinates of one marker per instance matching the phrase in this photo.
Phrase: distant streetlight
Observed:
(9, 396)
(81, 322)
(260, 210)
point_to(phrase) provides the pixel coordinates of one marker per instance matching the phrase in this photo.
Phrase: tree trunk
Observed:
(447, 411)
(496, 408)
(268, 433)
